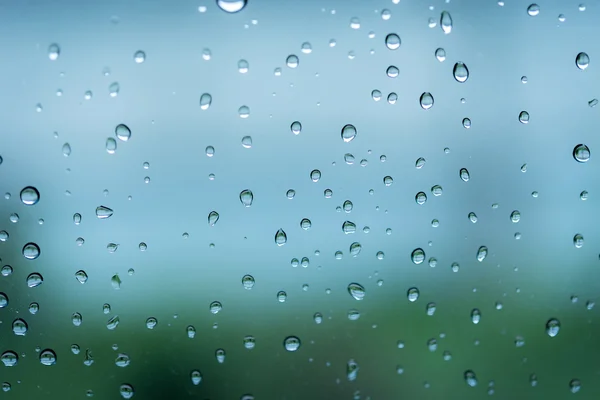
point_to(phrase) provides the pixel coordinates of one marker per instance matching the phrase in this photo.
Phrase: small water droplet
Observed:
(421, 198)
(392, 71)
(47, 357)
(281, 296)
(470, 378)
(578, 241)
(151, 322)
(81, 276)
(113, 89)
(290, 194)
(524, 117)
(215, 307)
(482, 253)
(305, 224)
(315, 175)
(475, 316)
(123, 132)
(464, 174)
(413, 294)
(213, 217)
(126, 391)
(248, 282)
(575, 385)
(552, 327)
(352, 370)
(76, 319)
(247, 142)
(440, 54)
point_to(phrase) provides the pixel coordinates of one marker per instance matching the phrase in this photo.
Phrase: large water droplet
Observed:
(417, 256)
(412, 294)
(582, 61)
(357, 291)
(280, 237)
(232, 6)
(426, 101)
(581, 153)
(292, 61)
(31, 251)
(34, 279)
(392, 41)
(533, 10)
(246, 197)
(53, 52)
(103, 212)
(461, 72)
(464, 174)
(66, 149)
(524, 117)
(205, 101)
(348, 133)
(291, 343)
(19, 327)
(30, 196)
(196, 377)
(446, 22)
(123, 132)
(47, 357)
(355, 249)
(247, 142)
(348, 227)
(215, 307)
(122, 360)
(81, 276)
(113, 322)
(126, 391)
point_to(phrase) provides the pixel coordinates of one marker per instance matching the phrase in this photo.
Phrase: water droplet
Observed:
(356, 291)
(123, 132)
(376, 95)
(348, 133)
(578, 241)
(315, 175)
(296, 127)
(291, 343)
(388, 180)
(115, 282)
(122, 360)
(305, 224)
(430, 309)
(355, 249)
(113, 322)
(196, 377)
(249, 342)
(482, 253)
(292, 61)
(461, 72)
(437, 190)
(581, 153)
(327, 193)
(81, 276)
(213, 217)
(34, 279)
(19, 327)
(31, 251)
(9, 358)
(593, 103)
(352, 370)
(66, 149)
(248, 282)
(281, 296)
(290, 194)
(349, 158)
(475, 316)
(306, 48)
(421, 198)
(243, 66)
(464, 174)
(232, 6)
(3, 236)
(470, 378)
(440, 54)
(392, 71)
(77, 319)
(111, 145)
(524, 117)
(244, 111)
(392, 98)
(348, 206)
(348, 227)
(103, 212)
(106, 308)
(446, 22)
(420, 163)
(575, 385)
(151, 322)
(582, 61)
(392, 41)
(53, 52)
(280, 237)
(426, 101)
(191, 331)
(113, 89)
(515, 216)
(112, 247)
(126, 391)
(205, 101)
(583, 195)
(412, 294)
(30, 196)
(246, 197)
(552, 327)
(215, 307)
(417, 256)
(3, 300)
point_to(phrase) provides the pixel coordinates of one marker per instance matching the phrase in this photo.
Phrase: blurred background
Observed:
(299, 199)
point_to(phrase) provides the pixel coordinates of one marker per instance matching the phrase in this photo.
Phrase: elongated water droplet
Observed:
(123, 132)
(482, 253)
(446, 22)
(475, 316)
(53, 52)
(392, 41)
(66, 149)
(34, 279)
(412, 294)
(205, 101)
(355, 249)
(296, 127)
(461, 72)
(213, 217)
(232, 6)
(111, 145)
(81, 276)
(581, 153)
(357, 291)
(552, 327)
(196, 377)
(103, 212)
(280, 237)
(348, 133)
(348, 227)
(352, 370)
(426, 101)
(115, 282)
(575, 385)
(578, 240)
(464, 174)
(440, 54)
(582, 61)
